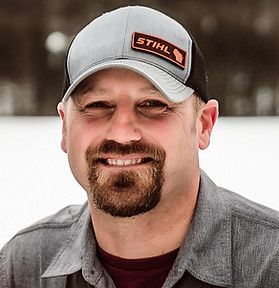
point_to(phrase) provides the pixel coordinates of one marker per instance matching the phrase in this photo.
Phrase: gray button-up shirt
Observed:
(232, 242)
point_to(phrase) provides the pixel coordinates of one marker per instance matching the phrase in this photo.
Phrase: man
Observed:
(135, 113)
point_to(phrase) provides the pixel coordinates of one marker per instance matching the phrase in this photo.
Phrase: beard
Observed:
(128, 192)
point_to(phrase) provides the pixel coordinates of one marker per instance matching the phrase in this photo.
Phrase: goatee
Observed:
(125, 192)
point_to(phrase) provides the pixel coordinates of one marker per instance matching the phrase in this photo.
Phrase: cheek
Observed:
(77, 161)
(182, 152)
(179, 138)
(82, 134)
(79, 138)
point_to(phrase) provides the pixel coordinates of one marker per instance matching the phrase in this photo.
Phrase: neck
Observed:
(151, 234)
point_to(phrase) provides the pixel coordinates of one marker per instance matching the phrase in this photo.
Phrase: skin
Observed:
(120, 105)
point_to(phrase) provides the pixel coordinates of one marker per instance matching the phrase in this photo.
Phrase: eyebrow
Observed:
(83, 91)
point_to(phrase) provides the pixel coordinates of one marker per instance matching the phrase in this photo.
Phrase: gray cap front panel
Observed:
(97, 41)
(148, 21)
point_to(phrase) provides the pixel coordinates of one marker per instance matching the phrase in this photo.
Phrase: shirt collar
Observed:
(206, 252)
(78, 253)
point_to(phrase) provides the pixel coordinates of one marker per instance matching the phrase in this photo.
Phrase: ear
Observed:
(207, 118)
(61, 111)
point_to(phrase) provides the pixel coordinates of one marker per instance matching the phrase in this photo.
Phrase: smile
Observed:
(124, 162)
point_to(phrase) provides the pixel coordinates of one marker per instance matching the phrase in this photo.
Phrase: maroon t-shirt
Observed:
(138, 273)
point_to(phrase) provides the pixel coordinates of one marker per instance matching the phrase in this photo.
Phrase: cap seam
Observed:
(125, 33)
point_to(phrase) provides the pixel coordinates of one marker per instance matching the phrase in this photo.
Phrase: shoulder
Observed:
(64, 218)
(237, 207)
(32, 248)
(56, 226)
(247, 211)
(255, 239)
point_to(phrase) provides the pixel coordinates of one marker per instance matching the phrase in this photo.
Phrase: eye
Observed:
(98, 109)
(152, 107)
(98, 105)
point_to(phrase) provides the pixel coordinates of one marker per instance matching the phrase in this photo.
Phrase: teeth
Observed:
(124, 162)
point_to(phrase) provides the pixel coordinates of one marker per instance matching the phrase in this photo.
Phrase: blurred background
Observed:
(239, 40)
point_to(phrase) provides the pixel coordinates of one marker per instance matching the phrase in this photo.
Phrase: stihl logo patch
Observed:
(160, 47)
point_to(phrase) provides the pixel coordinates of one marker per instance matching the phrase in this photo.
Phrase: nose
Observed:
(124, 127)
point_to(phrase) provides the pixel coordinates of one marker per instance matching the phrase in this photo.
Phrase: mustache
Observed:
(155, 152)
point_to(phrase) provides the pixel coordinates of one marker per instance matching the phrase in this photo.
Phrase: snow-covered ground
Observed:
(35, 179)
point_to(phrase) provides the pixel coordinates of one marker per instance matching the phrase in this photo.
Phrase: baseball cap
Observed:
(143, 40)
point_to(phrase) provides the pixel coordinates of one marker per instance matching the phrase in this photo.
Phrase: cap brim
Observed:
(170, 87)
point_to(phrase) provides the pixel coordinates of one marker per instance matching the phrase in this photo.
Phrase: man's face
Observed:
(128, 146)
